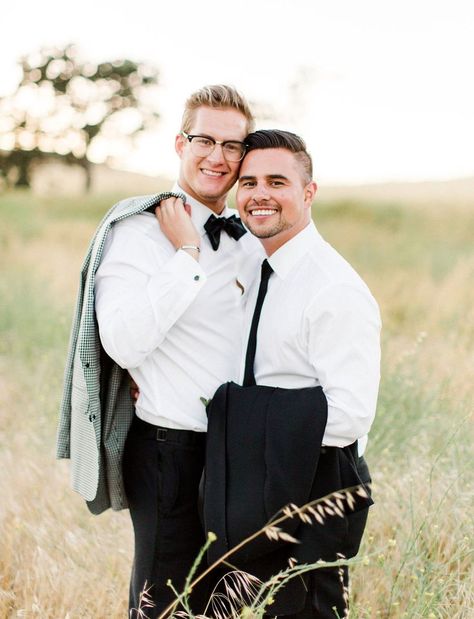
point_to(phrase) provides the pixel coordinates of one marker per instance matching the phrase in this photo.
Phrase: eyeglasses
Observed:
(203, 146)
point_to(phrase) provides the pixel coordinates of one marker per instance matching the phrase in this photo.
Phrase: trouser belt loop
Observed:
(161, 434)
(167, 435)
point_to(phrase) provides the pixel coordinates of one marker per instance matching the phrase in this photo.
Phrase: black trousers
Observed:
(328, 592)
(162, 470)
(328, 588)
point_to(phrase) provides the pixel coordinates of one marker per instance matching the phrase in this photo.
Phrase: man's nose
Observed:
(217, 155)
(260, 195)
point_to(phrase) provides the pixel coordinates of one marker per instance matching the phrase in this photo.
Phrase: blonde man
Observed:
(164, 284)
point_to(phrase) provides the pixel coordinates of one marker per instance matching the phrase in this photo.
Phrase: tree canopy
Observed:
(73, 110)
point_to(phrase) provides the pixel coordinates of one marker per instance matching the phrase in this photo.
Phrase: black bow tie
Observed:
(232, 225)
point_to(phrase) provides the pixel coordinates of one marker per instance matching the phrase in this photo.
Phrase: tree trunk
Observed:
(23, 179)
(88, 172)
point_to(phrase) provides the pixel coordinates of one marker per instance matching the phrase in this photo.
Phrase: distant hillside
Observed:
(459, 192)
(57, 178)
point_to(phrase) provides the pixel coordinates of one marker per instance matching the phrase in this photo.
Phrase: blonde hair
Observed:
(217, 96)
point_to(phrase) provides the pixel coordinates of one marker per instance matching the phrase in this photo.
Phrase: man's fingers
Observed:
(176, 223)
(134, 390)
(173, 214)
(172, 205)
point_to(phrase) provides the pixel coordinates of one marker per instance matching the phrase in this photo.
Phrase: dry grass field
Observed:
(57, 561)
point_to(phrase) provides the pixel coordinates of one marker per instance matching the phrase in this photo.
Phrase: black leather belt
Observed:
(163, 435)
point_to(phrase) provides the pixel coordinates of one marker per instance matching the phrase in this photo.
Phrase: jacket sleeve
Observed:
(64, 427)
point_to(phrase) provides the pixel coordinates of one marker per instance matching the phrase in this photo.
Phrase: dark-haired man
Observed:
(319, 324)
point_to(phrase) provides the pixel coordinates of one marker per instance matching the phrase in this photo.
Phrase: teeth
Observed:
(263, 211)
(212, 173)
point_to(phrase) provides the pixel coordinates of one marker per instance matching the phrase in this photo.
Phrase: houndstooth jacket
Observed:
(96, 408)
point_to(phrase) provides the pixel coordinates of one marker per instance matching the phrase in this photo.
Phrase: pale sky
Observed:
(380, 90)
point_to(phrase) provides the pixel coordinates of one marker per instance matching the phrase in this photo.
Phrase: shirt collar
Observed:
(199, 212)
(289, 254)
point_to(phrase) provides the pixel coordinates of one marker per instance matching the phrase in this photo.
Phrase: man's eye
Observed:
(203, 141)
(232, 147)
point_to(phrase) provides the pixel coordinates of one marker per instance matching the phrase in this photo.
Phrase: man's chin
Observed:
(262, 233)
(214, 195)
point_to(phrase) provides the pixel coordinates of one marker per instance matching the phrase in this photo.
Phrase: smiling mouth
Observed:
(262, 212)
(212, 173)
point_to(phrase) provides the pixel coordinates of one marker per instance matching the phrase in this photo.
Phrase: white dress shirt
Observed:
(320, 325)
(176, 324)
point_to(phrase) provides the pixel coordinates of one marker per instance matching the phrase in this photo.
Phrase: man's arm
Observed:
(177, 226)
(142, 288)
(344, 349)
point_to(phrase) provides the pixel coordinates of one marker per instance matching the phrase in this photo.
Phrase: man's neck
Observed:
(273, 243)
(217, 205)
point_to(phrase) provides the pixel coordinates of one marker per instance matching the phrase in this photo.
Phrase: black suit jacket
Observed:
(264, 452)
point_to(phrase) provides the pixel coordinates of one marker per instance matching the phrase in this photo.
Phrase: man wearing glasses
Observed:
(168, 303)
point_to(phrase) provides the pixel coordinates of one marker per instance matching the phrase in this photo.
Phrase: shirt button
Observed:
(196, 278)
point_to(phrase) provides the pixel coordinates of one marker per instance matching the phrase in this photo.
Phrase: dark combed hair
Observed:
(277, 138)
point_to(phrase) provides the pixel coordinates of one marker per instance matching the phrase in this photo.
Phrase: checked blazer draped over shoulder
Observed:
(96, 408)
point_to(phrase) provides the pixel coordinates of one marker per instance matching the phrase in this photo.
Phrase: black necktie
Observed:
(249, 377)
(232, 225)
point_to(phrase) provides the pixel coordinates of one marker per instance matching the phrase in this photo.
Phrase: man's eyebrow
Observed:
(270, 176)
(203, 135)
(276, 176)
(246, 178)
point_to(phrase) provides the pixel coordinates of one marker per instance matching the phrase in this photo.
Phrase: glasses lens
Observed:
(233, 151)
(201, 146)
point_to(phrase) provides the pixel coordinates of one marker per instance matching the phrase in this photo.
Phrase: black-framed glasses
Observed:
(203, 146)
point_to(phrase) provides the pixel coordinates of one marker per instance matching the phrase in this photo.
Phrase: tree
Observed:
(69, 109)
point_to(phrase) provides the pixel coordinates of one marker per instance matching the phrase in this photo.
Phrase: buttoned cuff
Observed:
(174, 288)
(189, 267)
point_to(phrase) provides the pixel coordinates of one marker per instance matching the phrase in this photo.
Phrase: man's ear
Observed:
(179, 144)
(309, 193)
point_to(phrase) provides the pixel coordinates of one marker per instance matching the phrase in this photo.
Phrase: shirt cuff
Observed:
(186, 266)
(174, 287)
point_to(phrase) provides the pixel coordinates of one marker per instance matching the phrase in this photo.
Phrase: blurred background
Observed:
(91, 97)
(381, 91)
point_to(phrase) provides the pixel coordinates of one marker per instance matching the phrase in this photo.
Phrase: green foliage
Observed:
(64, 106)
(26, 310)
(416, 558)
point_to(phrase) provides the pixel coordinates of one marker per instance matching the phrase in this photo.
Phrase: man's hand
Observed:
(176, 224)
(134, 390)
